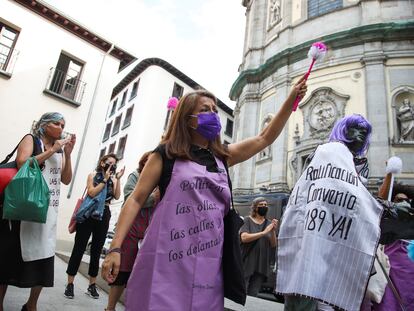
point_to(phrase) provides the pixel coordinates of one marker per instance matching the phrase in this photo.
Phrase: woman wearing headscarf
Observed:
(28, 251)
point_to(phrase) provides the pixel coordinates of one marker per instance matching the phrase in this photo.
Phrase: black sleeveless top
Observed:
(199, 155)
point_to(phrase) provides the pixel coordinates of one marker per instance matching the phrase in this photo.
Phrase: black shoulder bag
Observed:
(233, 274)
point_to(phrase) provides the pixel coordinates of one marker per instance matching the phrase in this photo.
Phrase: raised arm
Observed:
(247, 148)
(385, 187)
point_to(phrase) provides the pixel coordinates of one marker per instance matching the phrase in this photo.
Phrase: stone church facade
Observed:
(369, 70)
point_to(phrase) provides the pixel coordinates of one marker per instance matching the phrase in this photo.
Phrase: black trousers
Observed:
(98, 229)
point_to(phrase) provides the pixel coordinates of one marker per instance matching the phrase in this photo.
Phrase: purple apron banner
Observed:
(178, 267)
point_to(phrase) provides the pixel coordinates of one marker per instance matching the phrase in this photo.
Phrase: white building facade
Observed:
(369, 70)
(50, 62)
(137, 115)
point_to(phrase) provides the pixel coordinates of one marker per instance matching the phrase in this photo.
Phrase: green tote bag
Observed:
(27, 195)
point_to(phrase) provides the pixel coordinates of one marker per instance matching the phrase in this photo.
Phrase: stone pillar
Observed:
(247, 126)
(279, 147)
(376, 105)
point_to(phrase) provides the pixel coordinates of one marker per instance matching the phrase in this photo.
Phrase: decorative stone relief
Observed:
(405, 117)
(275, 15)
(321, 111)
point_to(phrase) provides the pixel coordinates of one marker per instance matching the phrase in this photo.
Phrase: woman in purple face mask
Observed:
(179, 263)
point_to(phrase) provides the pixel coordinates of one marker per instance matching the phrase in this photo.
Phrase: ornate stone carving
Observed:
(296, 137)
(275, 15)
(405, 116)
(321, 111)
(247, 3)
(294, 164)
(322, 114)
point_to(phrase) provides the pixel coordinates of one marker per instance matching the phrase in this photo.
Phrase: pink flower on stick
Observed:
(316, 52)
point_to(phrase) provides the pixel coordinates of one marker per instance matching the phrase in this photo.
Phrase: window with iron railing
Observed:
(134, 90)
(8, 55)
(64, 80)
(123, 101)
(111, 147)
(128, 117)
(113, 109)
(107, 132)
(117, 125)
(121, 147)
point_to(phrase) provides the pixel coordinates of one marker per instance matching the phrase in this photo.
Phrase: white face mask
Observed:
(403, 205)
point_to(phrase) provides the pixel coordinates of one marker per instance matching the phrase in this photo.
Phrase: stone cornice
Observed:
(355, 36)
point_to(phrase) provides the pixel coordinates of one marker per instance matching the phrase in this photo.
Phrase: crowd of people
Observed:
(168, 244)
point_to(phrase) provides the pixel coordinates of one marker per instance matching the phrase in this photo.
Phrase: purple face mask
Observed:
(208, 125)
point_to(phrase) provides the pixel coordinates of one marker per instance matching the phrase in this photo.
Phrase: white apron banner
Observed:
(329, 232)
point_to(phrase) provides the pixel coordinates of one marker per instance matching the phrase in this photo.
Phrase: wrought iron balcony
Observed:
(64, 86)
(8, 59)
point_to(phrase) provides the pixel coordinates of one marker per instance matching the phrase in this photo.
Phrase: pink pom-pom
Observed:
(317, 51)
(172, 103)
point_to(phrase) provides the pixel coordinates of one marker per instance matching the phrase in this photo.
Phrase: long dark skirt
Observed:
(13, 270)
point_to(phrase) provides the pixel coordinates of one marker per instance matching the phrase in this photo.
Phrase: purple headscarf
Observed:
(340, 130)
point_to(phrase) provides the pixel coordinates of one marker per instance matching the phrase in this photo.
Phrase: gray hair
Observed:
(257, 201)
(46, 118)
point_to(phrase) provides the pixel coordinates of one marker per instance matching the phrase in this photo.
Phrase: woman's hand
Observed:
(110, 267)
(299, 89)
(108, 173)
(58, 145)
(119, 174)
(275, 223)
(70, 144)
(269, 228)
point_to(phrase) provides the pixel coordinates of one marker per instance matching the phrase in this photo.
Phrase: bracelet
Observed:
(114, 250)
(103, 181)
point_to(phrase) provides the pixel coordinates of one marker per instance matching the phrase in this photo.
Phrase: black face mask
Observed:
(262, 210)
(358, 137)
(113, 168)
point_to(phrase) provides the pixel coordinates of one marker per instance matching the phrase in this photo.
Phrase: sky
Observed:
(202, 38)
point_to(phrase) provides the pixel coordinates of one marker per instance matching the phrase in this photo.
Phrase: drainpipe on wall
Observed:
(88, 119)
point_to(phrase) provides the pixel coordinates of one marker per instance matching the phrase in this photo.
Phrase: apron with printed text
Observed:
(178, 267)
(38, 241)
